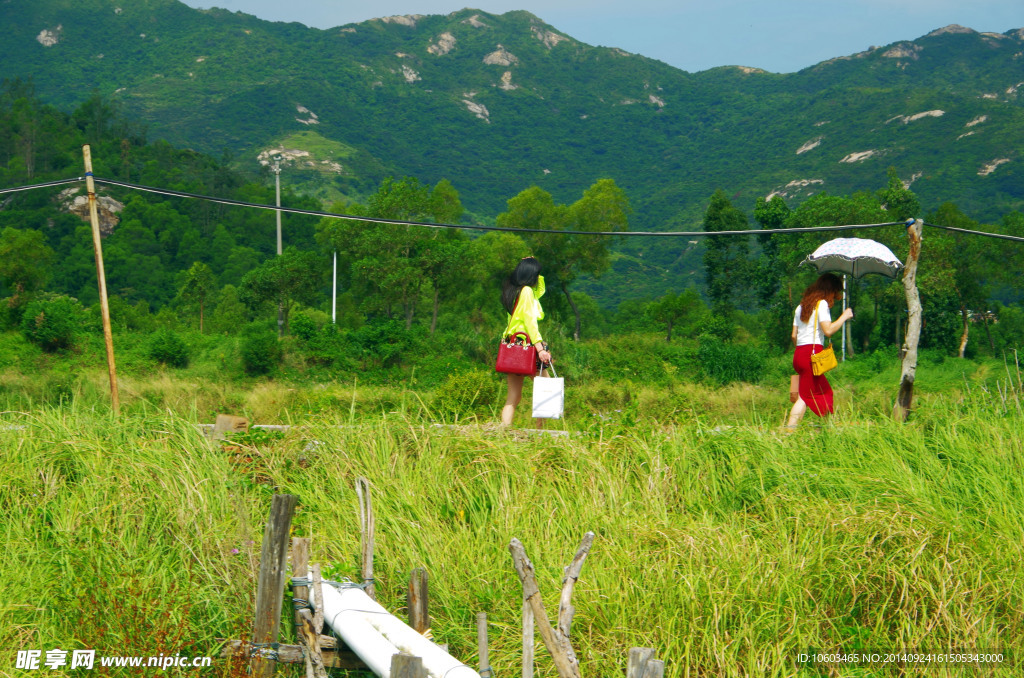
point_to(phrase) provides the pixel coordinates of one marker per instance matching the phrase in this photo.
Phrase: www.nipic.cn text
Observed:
(87, 659)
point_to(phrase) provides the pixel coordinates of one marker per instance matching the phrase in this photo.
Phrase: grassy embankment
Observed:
(730, 549)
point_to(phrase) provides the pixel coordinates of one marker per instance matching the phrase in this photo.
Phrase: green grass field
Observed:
(724, 545)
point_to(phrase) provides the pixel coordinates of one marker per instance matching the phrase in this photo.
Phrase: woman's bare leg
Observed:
(797, 413)
(515, 394)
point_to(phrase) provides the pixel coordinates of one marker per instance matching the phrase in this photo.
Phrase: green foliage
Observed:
(673, 307)
(603, 207)
(52, 322)
(726, 259)
(474, 392)
(168, 348)
(294, 276)
(261, 352)
(25, 260)
(303, 326)
(723, 362)
(197, 286)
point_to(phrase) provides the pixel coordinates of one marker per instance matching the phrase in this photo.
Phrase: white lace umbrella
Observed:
(854, 256)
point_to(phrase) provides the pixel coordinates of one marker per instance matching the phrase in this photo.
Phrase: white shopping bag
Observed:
(548, 397)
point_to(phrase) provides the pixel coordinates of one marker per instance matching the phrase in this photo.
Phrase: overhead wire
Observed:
(478, 227)
(48, 184)
(1001, 236)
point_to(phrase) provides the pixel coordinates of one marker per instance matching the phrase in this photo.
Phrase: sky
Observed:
(781, 36)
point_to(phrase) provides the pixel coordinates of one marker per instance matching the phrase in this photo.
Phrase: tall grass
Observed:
(729, 549)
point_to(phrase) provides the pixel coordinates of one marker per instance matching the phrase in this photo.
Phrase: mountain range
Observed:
(497, 103)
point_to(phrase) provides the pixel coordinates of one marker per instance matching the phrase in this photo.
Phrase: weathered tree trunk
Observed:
(576, 312)
(905, 396)
(988, 334)
(967, 328)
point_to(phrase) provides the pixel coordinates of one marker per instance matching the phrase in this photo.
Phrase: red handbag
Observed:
(515, 357)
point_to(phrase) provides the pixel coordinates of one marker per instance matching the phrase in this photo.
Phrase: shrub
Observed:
(168, 348)
(261, 352)
(723, 363)
(302, 326)
(467, 393)
(52, 322)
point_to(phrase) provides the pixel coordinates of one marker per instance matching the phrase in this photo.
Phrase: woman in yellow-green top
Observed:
(520, 295)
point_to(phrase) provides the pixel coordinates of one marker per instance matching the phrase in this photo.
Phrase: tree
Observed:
(673, 307)
(294, 276)
(898, 200)
(389, 263)
(603, 207)
(197, 285)
(959, 263)
(492, 257)
(25, 260)
(726, 258)
(770, 214)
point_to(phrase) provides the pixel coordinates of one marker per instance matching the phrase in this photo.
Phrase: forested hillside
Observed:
(472, 118)
(498, 103)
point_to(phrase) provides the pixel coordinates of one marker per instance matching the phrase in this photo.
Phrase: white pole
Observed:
(277, 192)
(334, 293)
(844, 324)
(374, 634)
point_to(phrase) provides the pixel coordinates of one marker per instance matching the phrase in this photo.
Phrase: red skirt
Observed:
(814, 390)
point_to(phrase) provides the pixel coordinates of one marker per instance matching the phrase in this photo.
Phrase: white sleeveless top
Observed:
(806, 332)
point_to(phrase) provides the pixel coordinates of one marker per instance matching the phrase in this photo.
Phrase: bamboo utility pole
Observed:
(905, 396)
(108, 337)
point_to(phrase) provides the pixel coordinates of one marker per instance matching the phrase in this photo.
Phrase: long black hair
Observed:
(525, 275)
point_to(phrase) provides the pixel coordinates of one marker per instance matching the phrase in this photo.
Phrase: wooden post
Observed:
(642, 664)
(318, 596)
(108, 336)
(367, 528)
(407, 666)
(638, 658)
(270, 589)
(905, 396)
(556, 642)
(481, 640)
(572, 574)
(528, 638)
(418, 601)
(227, 423)
(300, 568)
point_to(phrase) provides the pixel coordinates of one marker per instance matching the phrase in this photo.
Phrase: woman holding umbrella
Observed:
(812, 321)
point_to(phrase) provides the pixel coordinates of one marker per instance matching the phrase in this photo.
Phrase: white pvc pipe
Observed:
(375, 635)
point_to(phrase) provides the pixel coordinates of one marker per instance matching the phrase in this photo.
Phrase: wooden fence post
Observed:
(528, 638)
(407, 666)
(642, 664)
(300, 568)
(270, 588)
(419, 600)
(905, 396)
(367, 529)
(481, 639)
(555, 639)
